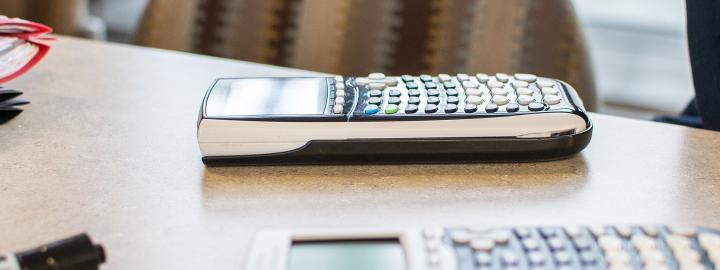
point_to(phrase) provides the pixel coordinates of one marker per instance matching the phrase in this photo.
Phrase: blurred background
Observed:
(637, 61)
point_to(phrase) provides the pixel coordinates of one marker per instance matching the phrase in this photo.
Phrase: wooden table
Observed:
(108, 147)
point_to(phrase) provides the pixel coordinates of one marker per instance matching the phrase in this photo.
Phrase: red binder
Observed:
(22, 45)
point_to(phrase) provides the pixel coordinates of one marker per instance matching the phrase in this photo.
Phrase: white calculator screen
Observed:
(267, 96)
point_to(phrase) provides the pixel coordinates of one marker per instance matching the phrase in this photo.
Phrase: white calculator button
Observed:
(376, 76)
(524, 91)
(482, 244)
(340, 86)
(692, 266)
(653, 256)
(470, 84)
(642, 242)
(338, 108)
(339, 79)
(391, 81)
(525, 100)
(518, 84)
(549, 91)
(463, 77)
(525, 77)
(500, 100)
(473, 92)
(677, 242)
(474, 100)
(553, 100)
(616, 256)
(545, 83)
(650, 230)
(339, 100)
(502, 77)
(572, 231)
(501, 236)
(687, 256)
(607, 243)
(340, 93)
(494, 84)
(482, 77)
(461, 237)
(444, 77)
(376, 86)
(362, 81)
(683, 230)
(709, 241)
(499, 91)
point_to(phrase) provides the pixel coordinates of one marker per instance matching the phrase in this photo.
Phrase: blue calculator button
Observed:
(371, 109)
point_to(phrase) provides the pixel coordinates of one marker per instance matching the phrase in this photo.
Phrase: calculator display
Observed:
(347, 255)
(267, 96)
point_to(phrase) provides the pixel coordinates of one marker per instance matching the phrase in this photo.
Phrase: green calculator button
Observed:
(391, 109)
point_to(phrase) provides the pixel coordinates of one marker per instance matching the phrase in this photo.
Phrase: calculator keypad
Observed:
(459, 94)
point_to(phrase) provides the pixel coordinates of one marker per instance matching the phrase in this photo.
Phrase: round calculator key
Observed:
(371, 109)
(394, 93)
(541, 83)
(433, 92)
(473, 92)
(430, 85)
(535, 106)
(450, 108)
(375, 93)
(411, 108)
(482, 244)
(377, 86)
(607, 242)
(338, 108)
(338, 78)
(562, 258)
(524, 91)
(502, 77)
(411, 85)
(391, 109)
(500, 100)
(495, 84)
(394, 100)
(530, 244)
(551, 99)
(426, 78)
(391, 81)
(536, 258)
(525, 100)
(414, 100)
(433, 100)
(444, 77)
(453, 100)
(451, 92)
(549, 91)
(499, 91)
(470, 84)
(491, 108)
(525, 77)
(449, 85)
(512, 107)
(340, 86)
(414, 92)
(470, 108)
(376, 76)
(462, 77)
(520, 84)
(555, 243)
(362, 81)
(431, 108)
(482, 77)
(582, 243)
(474, 100)
(407, 78)
(375, 101)
(339, 100)
(340, 93)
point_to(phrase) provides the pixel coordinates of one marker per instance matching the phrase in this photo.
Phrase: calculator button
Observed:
(525, 77)
(407, 78)
(449, 85)
(491, 108)
(551, 99)
(512, 107)
(555, 243)
(425, 78)
(502, 77)
(482, 77)
(391, 81)
(517, 84)
(362, 81)
(451, 92)
(588, 257)
(378, 86)
(530, 244)
(482, 244)
(340, 86)
(545, 83)
(499, 91)
(709, 241)
(525, 100)
(523, 232)
(536, 106)
(524, 91)
(391, 109)
(339, 100)
(338, 78)
(562, 258)
(624, 231)
(371, 109)
(433, 92)
(483, 258)
(474, 100)
(411, 85)
(549, 91)
(450, 108)
(495, 84)
(412, 108)
(607, 243)
(683, 230)
(431, 108)
(394, 93)
(394, 100)
(375, 101)
(430, 85)
(473, 92)
(414, 100)
(462, 77)
(376, 76)
(413, 92)
(338, 108)
(470, 84)
(500, 100)
(536, 259)
(470, 108)
(453, 100)
(375, 93)
(340, 93)
(433, 100)
(509, 258)
(444, 77)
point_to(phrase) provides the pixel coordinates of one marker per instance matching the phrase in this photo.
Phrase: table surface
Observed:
(108, 147)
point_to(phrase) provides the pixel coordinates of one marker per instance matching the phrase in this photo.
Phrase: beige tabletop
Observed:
(108, 146)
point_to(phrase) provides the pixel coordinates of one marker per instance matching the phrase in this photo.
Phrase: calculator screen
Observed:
(347, 255)
(267, 96)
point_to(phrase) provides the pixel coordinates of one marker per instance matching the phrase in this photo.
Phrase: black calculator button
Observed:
(430, 85)
(394, 93)
(453, 100)
(414, 100)
(413, 92)
(433, 100)
(535, 106)
(449, 85)
(431, 108)
(512, 107)
(451, 92)
(450, 108)
(470, 108)
(426, 78)
(407, 78)
(375, 93)
(433, 92)
(375, 101)
(491, 108)
(411, 85)
(394, 100)
(411, 108)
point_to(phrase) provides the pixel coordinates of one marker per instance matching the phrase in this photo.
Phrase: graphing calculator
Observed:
(479, 248)
(391, 119)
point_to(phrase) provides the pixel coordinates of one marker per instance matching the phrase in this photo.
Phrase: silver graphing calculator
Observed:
(390, 119)
(470, 248)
